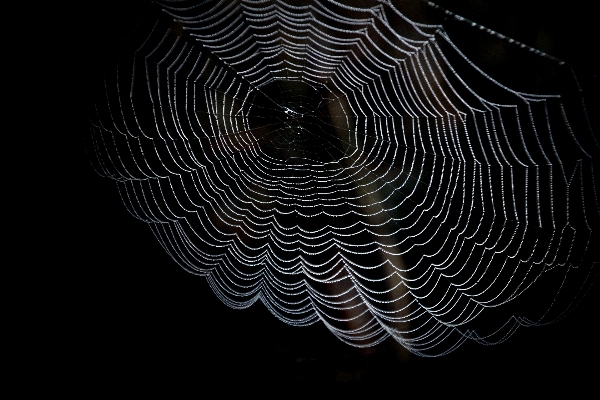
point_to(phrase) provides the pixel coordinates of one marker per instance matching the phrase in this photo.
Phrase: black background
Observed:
(115, 309)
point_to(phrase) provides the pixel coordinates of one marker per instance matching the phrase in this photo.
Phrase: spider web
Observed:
(343, 163)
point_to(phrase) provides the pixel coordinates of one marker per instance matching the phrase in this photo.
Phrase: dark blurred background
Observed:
(119, 310)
